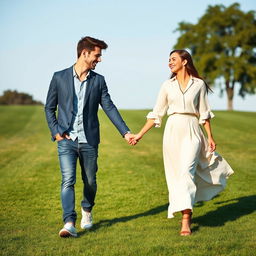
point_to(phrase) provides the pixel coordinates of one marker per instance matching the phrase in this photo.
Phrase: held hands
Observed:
(129, 138)
(132, 139)
(136, 138)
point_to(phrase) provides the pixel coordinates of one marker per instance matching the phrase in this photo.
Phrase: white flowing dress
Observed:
(192, 173)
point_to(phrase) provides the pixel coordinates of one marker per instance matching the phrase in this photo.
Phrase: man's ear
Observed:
(85, 53)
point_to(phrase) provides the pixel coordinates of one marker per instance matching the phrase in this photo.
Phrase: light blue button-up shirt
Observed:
(77, 129)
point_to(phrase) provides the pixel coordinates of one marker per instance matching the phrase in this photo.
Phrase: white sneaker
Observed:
(86, 221)
(68, 230)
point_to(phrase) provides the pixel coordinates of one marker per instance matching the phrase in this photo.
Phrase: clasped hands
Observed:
(132, 139)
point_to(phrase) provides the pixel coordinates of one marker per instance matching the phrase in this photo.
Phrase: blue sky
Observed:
(40, 37)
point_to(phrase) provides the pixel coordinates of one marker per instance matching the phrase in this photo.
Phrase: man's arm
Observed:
(51, 107)
(114, 115)
(112, 112)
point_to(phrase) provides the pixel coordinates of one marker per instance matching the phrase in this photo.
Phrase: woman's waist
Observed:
(184, 113)
(183, 120)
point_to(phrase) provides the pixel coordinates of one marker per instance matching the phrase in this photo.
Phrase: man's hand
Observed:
(58, 137)
(129, 138)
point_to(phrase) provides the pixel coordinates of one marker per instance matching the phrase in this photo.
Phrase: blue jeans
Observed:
(69, 151)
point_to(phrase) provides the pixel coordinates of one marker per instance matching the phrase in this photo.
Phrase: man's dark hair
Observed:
(89, 43)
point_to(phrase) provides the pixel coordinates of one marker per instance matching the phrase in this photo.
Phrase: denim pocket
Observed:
(60, 141)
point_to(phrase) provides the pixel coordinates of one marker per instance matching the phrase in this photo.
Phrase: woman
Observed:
(194, 172)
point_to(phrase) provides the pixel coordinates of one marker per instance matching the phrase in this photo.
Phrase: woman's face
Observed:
(176, 63)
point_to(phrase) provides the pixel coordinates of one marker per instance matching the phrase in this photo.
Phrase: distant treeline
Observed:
(10, 97)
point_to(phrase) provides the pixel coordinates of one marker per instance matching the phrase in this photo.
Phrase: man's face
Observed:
(92, 58)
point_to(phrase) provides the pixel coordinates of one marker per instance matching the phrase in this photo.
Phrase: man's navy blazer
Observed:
(60, 96)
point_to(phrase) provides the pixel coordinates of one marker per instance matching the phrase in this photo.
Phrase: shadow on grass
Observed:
(110, 222)
(229, 210)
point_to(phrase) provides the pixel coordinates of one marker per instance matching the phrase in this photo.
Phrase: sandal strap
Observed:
(185, 232)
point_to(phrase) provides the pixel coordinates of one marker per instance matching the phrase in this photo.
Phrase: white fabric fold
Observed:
(204, 116)
(157, 118)
(193, 173)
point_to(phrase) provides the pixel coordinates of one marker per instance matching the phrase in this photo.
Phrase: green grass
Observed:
(132, 199)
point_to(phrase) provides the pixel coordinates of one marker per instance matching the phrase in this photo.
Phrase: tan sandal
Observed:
(186, 232)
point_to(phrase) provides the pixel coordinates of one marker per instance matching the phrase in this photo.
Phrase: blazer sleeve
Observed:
(111, 110)
(51, 107)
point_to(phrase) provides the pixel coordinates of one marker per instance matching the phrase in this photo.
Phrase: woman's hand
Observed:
(211, 144)
(136, 138)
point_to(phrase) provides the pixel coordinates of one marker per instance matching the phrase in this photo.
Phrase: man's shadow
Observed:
(110, 222)
(235, 209)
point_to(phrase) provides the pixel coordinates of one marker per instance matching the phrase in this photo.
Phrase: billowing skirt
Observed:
(192, 173)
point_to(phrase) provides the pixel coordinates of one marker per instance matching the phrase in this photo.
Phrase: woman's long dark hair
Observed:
(184, 55)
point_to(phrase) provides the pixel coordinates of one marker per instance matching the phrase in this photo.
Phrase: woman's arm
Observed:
(207, 127)
(148, 125)
(154, 118)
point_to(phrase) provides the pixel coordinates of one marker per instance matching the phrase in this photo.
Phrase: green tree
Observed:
(223, 46)
(10, 97)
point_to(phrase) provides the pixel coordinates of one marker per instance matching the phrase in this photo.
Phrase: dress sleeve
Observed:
(204, 107)
(160, 108)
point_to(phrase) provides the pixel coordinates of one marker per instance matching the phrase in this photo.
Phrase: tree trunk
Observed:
(230, 95)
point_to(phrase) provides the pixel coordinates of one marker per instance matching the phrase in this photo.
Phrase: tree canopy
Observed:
(223, 46)
(10, 97)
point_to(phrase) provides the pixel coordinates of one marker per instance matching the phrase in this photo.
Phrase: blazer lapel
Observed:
(70, 81)
(89, 86)
(70, 85)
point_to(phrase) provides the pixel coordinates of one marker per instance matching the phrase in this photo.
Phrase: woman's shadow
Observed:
(235, 209)
(232, 210)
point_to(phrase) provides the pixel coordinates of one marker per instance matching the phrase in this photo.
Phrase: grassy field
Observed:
(132, 199)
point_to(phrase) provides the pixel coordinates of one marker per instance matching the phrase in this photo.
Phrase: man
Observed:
(77, 92)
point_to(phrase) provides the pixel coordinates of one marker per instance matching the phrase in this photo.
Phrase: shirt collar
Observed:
(175, 78)
(76, 76)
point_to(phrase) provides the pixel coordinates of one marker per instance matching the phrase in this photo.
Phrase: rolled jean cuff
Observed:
(87, 209)
(69, 219)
